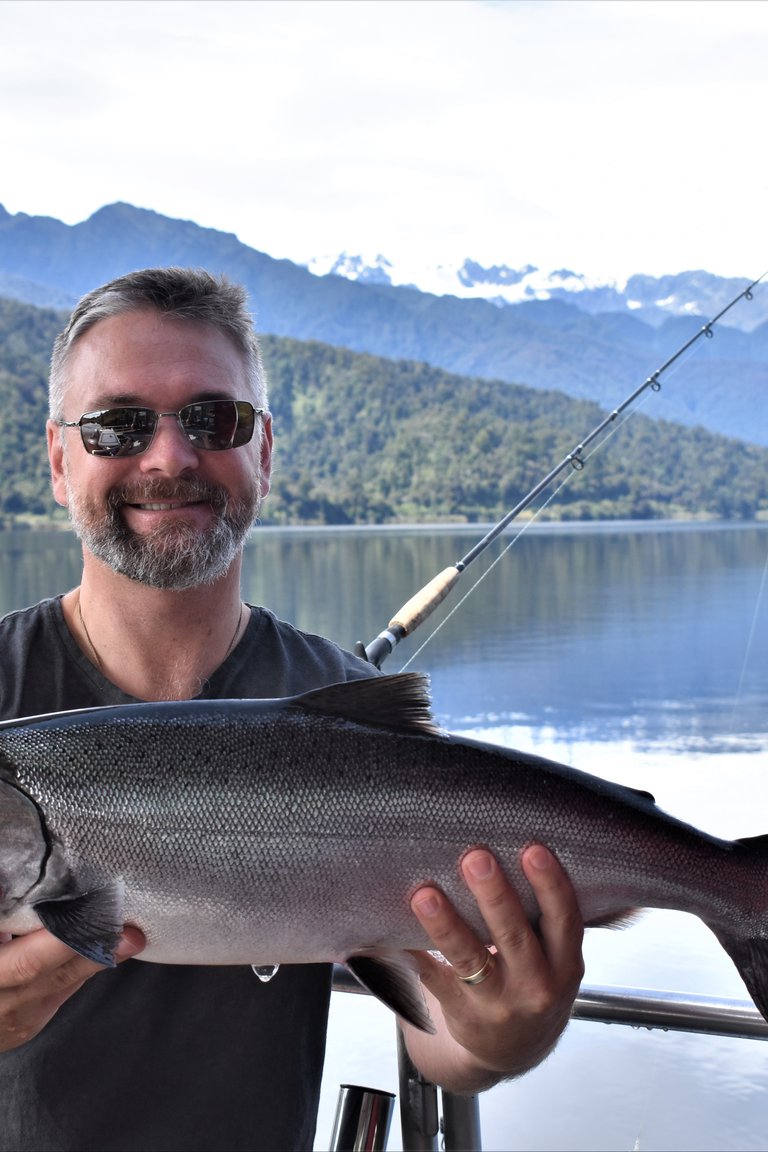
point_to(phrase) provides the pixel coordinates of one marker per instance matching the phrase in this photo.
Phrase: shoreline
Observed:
(475, 530)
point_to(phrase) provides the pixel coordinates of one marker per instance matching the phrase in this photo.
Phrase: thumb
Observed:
(131, 942)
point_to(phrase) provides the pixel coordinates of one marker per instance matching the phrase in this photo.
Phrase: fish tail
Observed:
(750, 956)
(747, 944)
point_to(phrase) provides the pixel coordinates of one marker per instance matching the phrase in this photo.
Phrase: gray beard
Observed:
(175, 558)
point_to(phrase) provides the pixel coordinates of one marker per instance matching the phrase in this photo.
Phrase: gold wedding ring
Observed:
(481, 974)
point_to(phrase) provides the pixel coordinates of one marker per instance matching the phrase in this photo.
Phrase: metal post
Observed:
(418, 1104)
(461, 1123)
(363, 1117)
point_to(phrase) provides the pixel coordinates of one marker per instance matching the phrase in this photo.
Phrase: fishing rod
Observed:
(416, 610)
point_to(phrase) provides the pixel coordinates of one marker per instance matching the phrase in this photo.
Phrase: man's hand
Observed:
(508, 1021)
(37, 974)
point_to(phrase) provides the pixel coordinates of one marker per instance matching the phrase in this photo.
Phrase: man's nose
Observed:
(171, 450)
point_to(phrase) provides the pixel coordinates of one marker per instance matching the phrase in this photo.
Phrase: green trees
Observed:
(362, 439)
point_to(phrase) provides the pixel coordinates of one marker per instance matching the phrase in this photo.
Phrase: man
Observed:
(160, 447)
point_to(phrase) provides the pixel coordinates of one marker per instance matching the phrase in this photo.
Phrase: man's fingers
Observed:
(449, 935)
(553, 950)
(130, 944)
(561, 927)
(498, 904)
(27, 959)
(37, 955)
(38, 974)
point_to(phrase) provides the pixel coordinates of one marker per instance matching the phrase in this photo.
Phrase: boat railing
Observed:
(427, 1114)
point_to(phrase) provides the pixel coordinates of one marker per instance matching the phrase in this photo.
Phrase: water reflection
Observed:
(588, 631)
(34, 565)
(658, 630)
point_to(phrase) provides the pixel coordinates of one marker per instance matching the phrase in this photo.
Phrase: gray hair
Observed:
(180, 293)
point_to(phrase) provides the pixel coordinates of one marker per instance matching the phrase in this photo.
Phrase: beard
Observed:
(173, 557)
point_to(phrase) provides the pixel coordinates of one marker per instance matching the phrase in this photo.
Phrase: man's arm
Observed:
(37, 974)
(511, 1020)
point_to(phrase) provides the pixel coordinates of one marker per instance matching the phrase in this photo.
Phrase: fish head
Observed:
(23, 848)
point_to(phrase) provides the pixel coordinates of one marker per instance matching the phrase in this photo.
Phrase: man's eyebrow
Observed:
(139, 400)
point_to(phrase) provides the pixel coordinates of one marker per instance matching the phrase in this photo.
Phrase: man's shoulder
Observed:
(39, 669)
(295, 639)
(290, 634)
(28, 625)
(280, 659)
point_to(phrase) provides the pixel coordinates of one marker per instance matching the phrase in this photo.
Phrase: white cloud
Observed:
(608, 136)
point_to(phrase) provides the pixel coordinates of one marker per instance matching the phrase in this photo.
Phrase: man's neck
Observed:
(151, 643)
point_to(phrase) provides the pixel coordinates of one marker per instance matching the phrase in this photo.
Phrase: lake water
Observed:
(635, 652)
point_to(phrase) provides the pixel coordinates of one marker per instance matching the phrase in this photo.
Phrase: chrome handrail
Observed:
(672, 1011)
(644, 1008)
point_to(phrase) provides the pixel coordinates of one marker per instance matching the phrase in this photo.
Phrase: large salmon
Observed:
(295, 830)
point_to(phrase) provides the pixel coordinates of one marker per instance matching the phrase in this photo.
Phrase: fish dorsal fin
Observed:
(643, 794)
(398, 702)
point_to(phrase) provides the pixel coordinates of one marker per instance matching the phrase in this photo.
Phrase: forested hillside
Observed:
(26, 338)
(360, 439)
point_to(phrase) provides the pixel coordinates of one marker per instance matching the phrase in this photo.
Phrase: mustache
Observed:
(160, 491)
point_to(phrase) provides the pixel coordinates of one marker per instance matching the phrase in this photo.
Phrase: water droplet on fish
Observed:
(265, 972)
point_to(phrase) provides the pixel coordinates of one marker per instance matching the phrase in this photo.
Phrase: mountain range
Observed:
(652, 299)
(550, 331)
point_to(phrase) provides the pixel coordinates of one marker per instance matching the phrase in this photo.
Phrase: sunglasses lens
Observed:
(212, 425)
(118, 431)
(218, 424)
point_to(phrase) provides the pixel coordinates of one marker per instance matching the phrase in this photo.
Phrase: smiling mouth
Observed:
(168, 497)
(170, 507)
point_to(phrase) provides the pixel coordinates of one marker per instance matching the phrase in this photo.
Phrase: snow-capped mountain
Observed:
(651, 298)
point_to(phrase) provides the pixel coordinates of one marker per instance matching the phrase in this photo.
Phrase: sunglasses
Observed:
(211, 425)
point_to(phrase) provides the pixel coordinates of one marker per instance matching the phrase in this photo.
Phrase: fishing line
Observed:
(420, 606)
(643, 400)
(750, 639)
(552, 496)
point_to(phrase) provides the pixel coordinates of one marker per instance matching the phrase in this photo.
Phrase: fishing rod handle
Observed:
(423, 604)
(412, 613)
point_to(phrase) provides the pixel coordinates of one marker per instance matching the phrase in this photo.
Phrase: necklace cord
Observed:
(97, 657)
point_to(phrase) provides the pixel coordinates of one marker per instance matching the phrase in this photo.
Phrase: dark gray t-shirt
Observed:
(151, 1057)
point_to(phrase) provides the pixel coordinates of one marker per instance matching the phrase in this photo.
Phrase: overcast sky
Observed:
(609, 137)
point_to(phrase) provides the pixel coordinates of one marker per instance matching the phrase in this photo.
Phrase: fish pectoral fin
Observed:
(90, 925)
(622, 919)
(392, 978)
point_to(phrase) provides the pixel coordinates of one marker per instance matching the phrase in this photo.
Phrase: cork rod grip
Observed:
(416, 610)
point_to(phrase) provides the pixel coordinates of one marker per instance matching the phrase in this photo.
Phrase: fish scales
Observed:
(284, 831)
(407, 797)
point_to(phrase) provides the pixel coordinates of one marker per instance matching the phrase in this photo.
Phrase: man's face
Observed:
(174, 516)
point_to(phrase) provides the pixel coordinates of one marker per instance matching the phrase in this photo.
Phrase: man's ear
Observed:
(56, 460)
(266, 453)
